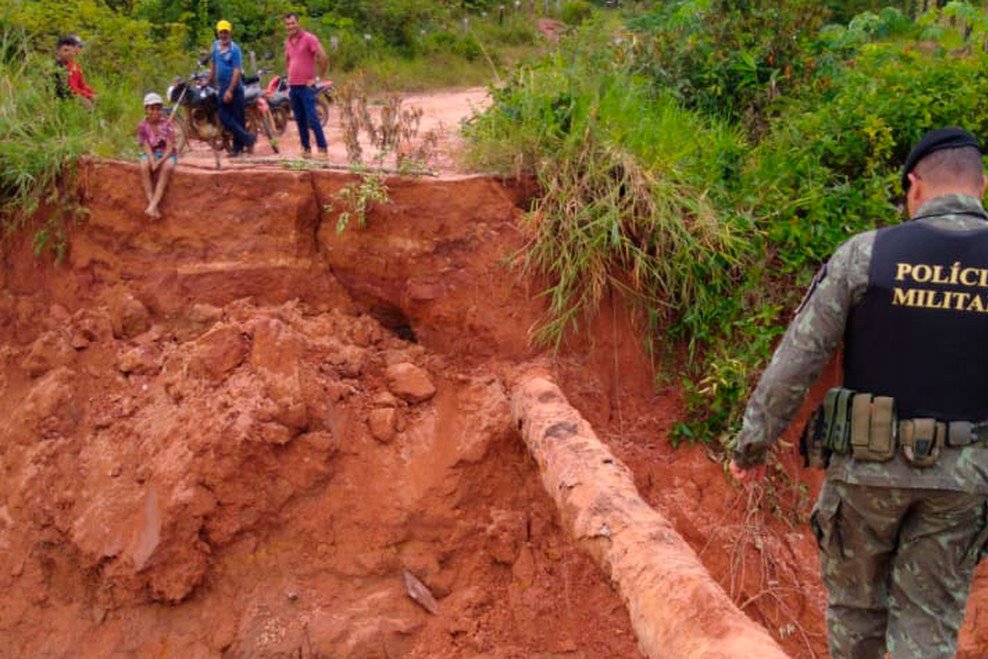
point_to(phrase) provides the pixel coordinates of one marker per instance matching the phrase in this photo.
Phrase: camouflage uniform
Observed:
(898, 544)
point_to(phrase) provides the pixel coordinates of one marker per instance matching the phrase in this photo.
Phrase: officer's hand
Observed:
(228, 96)
(747, 476)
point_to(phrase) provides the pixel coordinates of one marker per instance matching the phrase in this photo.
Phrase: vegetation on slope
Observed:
(708, 156)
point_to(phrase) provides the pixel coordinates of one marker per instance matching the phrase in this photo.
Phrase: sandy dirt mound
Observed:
(282, 470)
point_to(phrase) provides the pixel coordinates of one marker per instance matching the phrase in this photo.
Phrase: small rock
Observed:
(419, 593)
(205, 314)
(50, 350)
(385, 399)
(219, 351)
(349, 361)
(320, 440)
(58, 313)
(129, 317)
(382, 422)
(52, 405)
(409, 382)
(365, 332)
(90, 326)
(139, 360)
(274, 433)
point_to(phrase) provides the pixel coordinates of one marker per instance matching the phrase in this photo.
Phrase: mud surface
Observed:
(443, 114)
(238, 433)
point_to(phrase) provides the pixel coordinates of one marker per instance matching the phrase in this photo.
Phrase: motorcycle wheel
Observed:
(267, 121)
(280, 116)
(322, 109)
(258, 122)
(181, 137)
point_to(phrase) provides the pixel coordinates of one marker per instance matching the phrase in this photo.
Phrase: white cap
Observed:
(152, 99)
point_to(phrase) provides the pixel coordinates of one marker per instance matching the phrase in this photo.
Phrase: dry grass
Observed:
(757, 576)
(394, 136)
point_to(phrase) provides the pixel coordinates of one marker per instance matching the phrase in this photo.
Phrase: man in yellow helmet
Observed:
(226, 70)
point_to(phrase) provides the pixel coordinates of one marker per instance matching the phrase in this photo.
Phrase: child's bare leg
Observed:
(146, 179)
(164, 173)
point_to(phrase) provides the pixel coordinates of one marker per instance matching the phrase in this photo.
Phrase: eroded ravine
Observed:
(231, 432)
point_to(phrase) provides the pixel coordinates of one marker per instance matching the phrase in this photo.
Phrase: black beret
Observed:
(936, 140)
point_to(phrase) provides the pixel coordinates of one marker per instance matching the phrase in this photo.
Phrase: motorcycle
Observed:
(195, 113)
(277, 94)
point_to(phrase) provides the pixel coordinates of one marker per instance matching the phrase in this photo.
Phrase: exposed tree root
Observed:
(676, 608)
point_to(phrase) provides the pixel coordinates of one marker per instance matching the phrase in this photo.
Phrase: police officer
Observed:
(899, 534)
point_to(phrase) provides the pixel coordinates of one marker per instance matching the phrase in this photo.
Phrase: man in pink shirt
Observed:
(306, 62)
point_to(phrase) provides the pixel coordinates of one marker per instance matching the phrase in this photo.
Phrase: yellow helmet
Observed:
(224, 25)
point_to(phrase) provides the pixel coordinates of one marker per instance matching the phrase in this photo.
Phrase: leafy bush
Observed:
(723, 56)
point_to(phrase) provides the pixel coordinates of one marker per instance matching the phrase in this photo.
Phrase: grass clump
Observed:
(633, 190)
(42, 140)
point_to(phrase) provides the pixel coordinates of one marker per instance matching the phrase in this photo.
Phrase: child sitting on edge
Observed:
(156, 138)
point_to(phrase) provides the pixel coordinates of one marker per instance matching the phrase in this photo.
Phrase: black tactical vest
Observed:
(920, 333)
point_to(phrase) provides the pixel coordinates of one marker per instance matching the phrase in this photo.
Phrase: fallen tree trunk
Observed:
(677, 609)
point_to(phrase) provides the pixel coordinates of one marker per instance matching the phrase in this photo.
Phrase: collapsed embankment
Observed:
(233, 432)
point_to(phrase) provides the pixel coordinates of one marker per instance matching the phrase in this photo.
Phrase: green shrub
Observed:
(575, 12)
(727, 57)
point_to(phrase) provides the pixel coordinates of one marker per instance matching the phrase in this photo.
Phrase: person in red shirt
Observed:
(306, 62)
(69, 80)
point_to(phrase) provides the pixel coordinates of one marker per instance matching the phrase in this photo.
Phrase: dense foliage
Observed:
(785, 133)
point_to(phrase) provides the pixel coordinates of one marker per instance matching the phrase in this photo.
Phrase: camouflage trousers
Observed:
(898, 565)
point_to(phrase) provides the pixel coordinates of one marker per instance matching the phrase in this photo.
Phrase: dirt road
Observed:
(442, 112)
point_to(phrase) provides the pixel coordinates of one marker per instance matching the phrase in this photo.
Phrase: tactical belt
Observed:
(865, 426)
(956, 433)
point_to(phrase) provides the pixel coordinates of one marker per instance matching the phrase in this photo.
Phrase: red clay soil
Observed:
(234, 432)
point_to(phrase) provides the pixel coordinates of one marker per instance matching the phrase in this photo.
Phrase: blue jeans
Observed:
(303, 100)
(232, 117)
